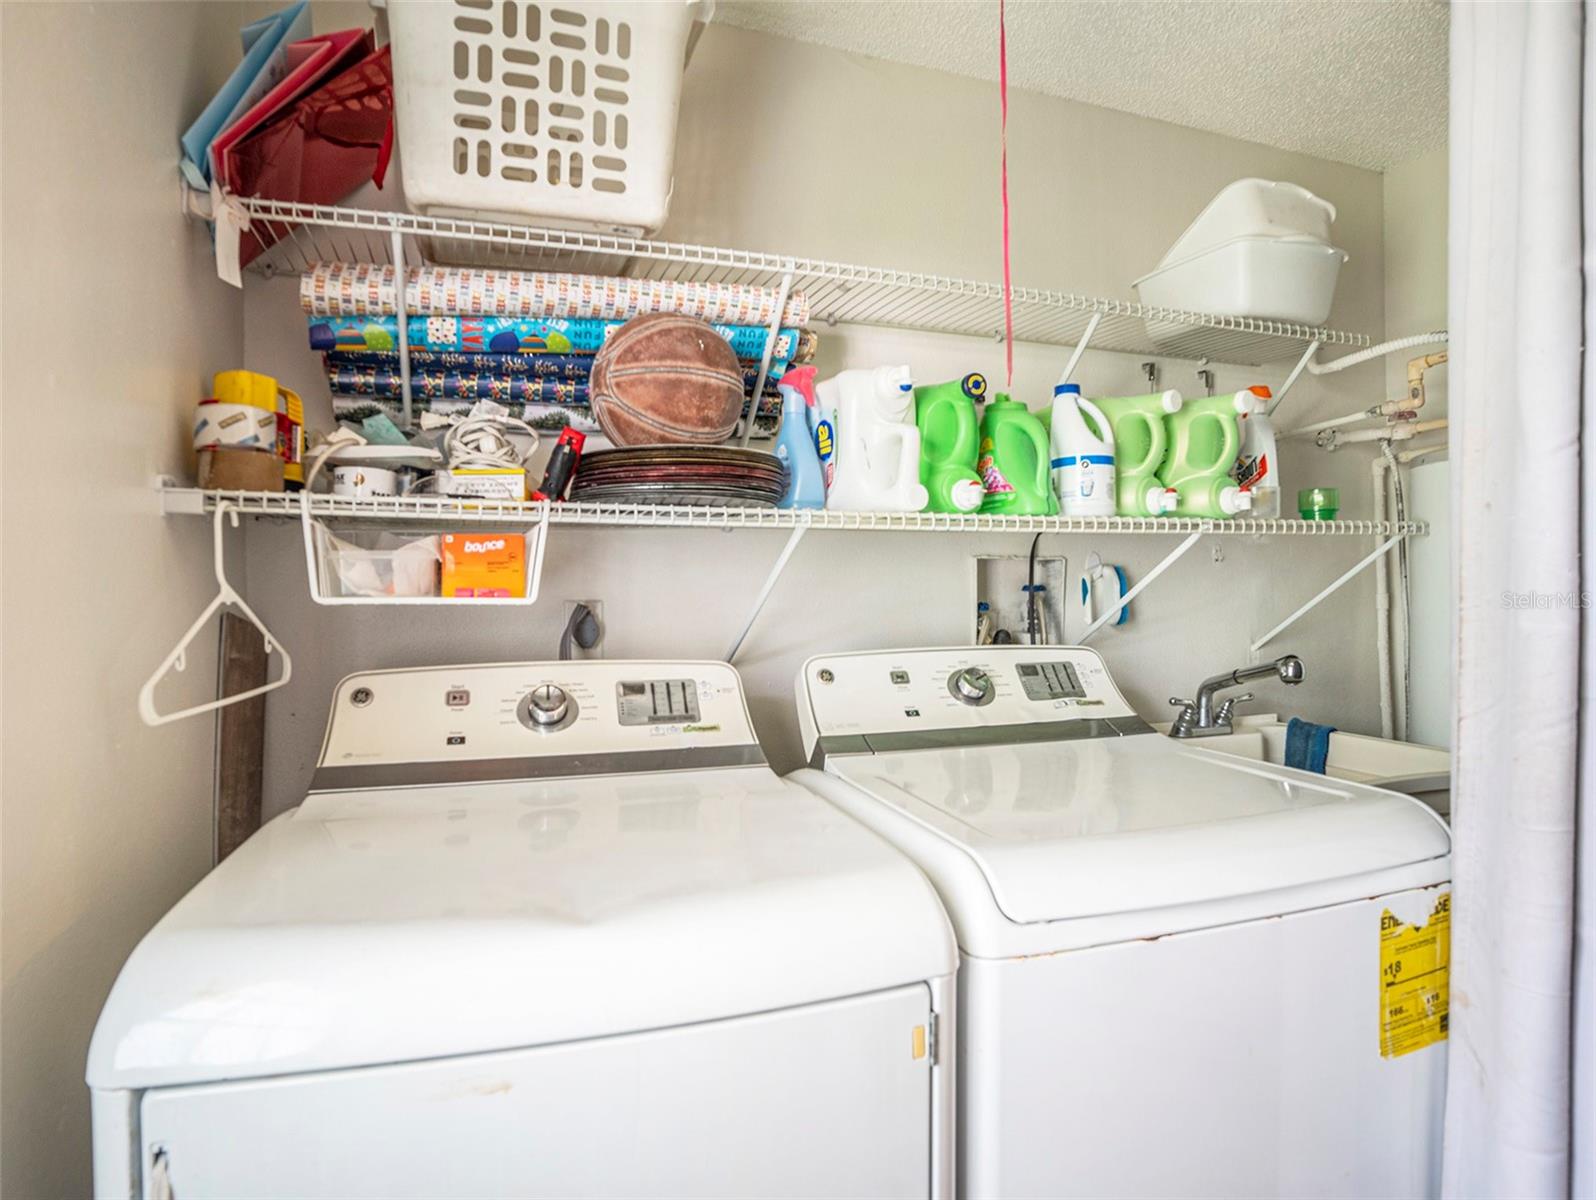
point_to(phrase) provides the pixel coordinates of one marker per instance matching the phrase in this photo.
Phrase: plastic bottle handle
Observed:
(1103, 424)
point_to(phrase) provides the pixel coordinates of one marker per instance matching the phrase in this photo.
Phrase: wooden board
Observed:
(240, 735)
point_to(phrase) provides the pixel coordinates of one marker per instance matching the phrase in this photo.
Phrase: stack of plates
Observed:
(717, 476)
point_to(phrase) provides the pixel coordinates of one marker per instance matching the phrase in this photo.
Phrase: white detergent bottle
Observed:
(877, 464)
(1083, 455)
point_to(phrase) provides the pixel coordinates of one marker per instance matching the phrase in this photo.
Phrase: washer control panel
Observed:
(521, 710)
(902, 691)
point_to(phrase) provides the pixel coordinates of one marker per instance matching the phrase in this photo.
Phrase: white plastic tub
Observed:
(1260, 249)
(558, 113)
(1273, 278)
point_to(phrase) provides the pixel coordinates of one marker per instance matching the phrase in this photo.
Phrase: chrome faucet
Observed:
(1201, 719)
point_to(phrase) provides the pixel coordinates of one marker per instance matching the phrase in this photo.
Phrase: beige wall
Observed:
(104, 823)
(1415, 267)
(801, 149)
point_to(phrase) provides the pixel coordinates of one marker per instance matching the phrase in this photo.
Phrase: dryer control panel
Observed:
(571, 710)
(974, 687)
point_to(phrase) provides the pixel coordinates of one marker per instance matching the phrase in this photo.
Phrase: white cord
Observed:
(483, 443)
(1384, 348)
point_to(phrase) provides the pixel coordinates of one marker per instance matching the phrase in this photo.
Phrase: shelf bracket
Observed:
(400, 283)
(764, 367)
(1080, 348)
(1363, 564)
(1169, 560)
(1307, 357)
(793, 539)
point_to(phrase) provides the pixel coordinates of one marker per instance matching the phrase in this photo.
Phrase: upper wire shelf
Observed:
(839, 293)
(427, 509)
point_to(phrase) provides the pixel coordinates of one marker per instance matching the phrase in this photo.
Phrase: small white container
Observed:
(1260, 249)
(563, 114)
(1271, 278)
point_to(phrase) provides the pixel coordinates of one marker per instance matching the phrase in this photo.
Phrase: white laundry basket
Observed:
(559, 113)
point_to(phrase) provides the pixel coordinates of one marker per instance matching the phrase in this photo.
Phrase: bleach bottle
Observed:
(1014, 463)
(1204, 441)
(949, 436)
(877, 465)
(1140, 443)
(1257, 468)
(1083, 455)
(795, 442)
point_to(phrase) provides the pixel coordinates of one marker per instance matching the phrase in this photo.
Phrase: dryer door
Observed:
(828, 1099)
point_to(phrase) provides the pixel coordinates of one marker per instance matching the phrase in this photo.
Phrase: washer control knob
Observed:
(547, 704)
(971, 686)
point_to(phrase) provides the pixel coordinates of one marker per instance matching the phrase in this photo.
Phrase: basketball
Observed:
(666, 378)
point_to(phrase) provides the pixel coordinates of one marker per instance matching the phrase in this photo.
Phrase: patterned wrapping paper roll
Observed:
(361, 289)
(456, 385)
(378, 374)
(515, 335)
(544, 366)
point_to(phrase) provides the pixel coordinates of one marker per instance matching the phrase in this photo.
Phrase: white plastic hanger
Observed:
(177, 659)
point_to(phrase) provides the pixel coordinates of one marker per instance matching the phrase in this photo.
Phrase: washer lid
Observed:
(386, 926)
(1069, 830)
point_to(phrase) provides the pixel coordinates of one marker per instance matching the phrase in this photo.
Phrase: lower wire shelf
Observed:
(443, 510)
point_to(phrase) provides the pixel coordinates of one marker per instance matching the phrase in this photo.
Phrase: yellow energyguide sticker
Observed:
(1414, 963)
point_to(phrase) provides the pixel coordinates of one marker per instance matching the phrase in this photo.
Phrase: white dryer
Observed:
(538, 930)
(1181, 973)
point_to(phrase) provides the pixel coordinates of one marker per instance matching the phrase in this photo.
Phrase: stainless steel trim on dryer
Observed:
(507, 770)
(993, 735)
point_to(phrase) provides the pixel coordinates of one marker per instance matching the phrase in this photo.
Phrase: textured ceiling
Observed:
(1357, 81)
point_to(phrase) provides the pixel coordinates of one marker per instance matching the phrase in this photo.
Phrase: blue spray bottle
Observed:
(795, 443)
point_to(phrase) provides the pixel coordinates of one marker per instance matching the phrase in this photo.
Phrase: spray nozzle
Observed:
(802, 379)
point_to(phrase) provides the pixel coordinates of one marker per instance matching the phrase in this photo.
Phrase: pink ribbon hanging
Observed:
(1008, 290)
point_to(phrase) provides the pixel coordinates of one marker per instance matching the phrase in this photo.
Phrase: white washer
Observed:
(538, 930)
(1170, 959)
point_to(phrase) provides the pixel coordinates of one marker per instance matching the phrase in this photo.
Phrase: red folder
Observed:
(324, 146)
(310, 62)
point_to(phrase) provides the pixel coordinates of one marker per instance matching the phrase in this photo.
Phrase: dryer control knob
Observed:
(547, 704)
(971, 686)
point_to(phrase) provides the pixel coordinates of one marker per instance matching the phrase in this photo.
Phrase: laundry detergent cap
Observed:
(1067, 389)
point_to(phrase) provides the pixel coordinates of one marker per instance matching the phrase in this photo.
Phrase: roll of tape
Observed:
(242, 425)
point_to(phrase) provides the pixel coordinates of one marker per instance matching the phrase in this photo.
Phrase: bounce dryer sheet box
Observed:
(484, 564)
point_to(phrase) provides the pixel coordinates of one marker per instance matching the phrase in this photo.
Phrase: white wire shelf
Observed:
(839, 293)
(433, 509)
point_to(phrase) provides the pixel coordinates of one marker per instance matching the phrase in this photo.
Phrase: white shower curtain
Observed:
(1523, 419)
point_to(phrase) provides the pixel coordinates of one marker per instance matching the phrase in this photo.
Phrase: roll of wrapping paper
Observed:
(516, 335)
(456, 385)
(361, 289)
(544, 366)
(381, 377)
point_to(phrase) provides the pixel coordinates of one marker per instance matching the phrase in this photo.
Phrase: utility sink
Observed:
(1423, 772)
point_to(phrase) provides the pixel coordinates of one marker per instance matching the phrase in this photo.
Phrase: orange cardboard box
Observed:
(484, 564)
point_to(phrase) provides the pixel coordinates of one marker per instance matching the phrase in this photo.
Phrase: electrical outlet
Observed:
(596, 607)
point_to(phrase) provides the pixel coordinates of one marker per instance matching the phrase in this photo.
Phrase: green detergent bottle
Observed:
(1203, 441)
(949, 438)
(1014, 466)
(1140, 442)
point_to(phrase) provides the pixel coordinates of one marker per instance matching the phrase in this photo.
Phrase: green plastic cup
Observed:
(1318, 504)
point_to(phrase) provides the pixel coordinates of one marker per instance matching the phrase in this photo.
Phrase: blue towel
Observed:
(1307, 745)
